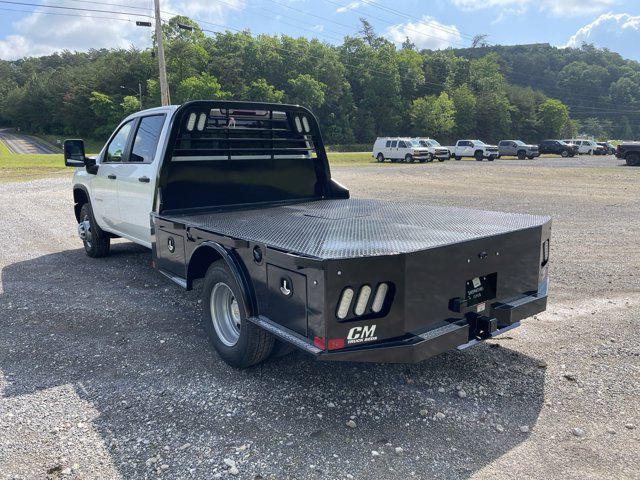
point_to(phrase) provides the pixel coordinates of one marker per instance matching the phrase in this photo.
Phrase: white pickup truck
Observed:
(475, 149)
(239, 195)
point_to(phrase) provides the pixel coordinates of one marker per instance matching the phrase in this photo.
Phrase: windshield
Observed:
(562, 142)
(519, 142)
(479, 142)
(415, 143)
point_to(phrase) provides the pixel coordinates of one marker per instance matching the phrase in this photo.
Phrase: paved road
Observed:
(21, 143)
(105, 372)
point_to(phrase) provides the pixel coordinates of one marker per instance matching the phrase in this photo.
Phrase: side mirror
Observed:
(74, 153)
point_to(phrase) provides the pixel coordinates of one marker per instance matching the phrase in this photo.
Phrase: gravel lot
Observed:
(105, 372)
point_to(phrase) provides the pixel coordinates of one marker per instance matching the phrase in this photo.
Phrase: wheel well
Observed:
(522, 151)
(478, 152)
(200, 262)
(80, 197)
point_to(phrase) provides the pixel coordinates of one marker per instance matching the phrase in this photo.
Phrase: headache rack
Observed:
(222, 153)
(225, 133)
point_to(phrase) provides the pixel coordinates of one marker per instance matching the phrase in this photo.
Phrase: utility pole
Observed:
(162, 66)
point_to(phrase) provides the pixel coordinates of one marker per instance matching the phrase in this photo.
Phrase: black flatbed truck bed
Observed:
(451, 276)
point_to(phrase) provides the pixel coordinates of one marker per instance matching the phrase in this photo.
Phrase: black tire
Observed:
(380, 158)
(491, 158)
(457, 158)
(564, 153)
(253, 345)
(522, 154)
(633, 159)
(530, 157)
(441, 159)
(408, 158)
(281, 349)
(394, 160)
(96, 242)
(429, 157)
(478, 155)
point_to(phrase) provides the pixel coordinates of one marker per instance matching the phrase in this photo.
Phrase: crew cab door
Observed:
(137, 179)
(104, 186)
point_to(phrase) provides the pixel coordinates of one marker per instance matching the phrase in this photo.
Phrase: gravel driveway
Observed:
(106, 373)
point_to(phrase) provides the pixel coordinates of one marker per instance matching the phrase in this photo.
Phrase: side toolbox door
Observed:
(137, 182)
(104, 185)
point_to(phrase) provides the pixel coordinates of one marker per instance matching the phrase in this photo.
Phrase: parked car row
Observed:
(405, 149)
(408, 149)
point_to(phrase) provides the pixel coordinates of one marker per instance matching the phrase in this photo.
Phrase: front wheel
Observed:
(564, 153)
(521, 155)
(239, 342)
(457, 158)
(429, 157)
(478, 156)
(530, 157)
(633, 160)
(408, 158)
(96, 242)
(380, 158)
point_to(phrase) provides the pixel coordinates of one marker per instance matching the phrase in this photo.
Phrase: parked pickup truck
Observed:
(630, 151)
(240, 196)
(474, 148)
(435, 149)
(517, 148)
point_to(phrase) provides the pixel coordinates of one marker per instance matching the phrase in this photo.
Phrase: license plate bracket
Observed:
(480, 289)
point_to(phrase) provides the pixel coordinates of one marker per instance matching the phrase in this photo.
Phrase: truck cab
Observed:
(239, 197)
(122, 181)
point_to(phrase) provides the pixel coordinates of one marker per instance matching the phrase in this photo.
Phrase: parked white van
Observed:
(584, 146)
(402, 149)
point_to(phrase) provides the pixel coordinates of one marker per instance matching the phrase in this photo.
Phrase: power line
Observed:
(74, 8)
(66, 14)
(404, 15)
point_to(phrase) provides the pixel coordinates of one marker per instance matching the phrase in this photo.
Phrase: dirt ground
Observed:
(105, 371)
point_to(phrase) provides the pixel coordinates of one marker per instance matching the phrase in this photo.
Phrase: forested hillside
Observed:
(360, 89)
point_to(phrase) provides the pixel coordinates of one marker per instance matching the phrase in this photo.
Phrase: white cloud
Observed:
(42, 34)
(619, 32)
(557, 7)
(353, 5)
(425, 33)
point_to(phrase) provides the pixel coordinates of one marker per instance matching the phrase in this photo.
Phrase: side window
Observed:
(394, 144)
(115, 150)
(388, 143)
(146, 140)
(401, 144)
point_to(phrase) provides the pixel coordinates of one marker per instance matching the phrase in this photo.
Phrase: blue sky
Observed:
(27, 30)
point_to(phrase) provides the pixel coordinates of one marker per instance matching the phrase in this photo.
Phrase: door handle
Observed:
(143, 179)
(111, 176)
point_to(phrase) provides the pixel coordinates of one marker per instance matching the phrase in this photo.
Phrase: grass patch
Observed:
(4, 150)
(17, 168)
(350, 158)
(92, 146)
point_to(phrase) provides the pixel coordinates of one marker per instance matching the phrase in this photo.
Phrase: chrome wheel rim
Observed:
(84, 231)
(225, 314)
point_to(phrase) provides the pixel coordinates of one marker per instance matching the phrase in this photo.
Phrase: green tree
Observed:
(200, 87)
(554, 117)
(433, 116)
(129, 105)
(464, 102)
(306, 91)
(261, 91)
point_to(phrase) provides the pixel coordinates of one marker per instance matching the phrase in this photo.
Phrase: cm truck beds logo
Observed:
(362, 334)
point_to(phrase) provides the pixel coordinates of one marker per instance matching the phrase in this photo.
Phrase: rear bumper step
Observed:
(460, 335)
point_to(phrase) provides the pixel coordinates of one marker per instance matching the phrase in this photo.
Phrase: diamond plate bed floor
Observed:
(334, 229)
